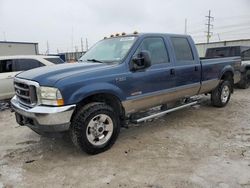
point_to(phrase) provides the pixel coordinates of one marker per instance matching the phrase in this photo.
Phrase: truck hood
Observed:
(49, 75)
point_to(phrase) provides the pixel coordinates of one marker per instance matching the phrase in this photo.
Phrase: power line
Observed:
(209, 25)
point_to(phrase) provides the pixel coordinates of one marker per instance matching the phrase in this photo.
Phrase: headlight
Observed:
(51, 96)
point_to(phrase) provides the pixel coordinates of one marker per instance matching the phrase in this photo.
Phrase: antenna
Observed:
(4, 36)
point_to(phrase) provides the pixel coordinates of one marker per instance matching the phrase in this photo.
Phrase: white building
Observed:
(18, 48)
(202, 47)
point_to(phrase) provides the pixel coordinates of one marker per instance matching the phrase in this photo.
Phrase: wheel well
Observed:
(228, 75)
(109, 99)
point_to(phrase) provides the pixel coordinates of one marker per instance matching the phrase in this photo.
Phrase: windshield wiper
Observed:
(95, 60)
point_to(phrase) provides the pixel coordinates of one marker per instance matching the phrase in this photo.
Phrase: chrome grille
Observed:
(25, 91)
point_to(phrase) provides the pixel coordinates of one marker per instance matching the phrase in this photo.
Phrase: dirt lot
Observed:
(200, 146)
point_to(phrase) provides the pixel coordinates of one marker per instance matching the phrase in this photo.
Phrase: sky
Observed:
(59, 25)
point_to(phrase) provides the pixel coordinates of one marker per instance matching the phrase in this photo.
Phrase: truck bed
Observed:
(211, 68)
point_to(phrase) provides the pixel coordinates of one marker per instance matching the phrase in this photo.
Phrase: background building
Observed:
(18, 48)
(202, 47)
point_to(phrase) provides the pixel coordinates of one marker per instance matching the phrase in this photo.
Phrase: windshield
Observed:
(109, 50)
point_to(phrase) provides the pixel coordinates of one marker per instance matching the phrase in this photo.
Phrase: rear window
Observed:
(182, 49)
(245, 54)
(222, 52)
(55, 60)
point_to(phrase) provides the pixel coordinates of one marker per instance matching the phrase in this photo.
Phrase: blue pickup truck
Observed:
(117, 78)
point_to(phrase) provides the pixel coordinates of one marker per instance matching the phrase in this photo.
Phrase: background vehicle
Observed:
(231, 51)
(118, 77)
(12, 65)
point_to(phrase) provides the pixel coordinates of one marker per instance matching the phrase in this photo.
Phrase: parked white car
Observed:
(12, 65)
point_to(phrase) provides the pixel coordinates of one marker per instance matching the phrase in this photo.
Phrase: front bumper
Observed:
(43, 119)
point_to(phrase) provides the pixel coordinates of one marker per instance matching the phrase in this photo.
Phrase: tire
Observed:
(221, 95)
(245, 81)
(95, 128)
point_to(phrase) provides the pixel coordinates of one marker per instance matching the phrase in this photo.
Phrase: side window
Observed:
(55, 60)
(26, 64)
(246, 55)
(156, 47)
(183, 51)
(6, 66)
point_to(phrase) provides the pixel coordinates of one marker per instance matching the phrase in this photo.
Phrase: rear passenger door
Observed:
(187, 70)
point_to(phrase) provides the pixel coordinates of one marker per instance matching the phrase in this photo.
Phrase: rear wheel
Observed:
(221, 95)
(95, 128)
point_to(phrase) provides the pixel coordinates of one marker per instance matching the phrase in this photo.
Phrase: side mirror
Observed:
(141, 61)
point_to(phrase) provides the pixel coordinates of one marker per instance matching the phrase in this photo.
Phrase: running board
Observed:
(164, 112)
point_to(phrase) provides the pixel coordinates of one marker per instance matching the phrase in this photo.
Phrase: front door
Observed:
(149, 87)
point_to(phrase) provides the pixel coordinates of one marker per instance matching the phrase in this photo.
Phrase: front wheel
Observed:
(221, 95)
(95, 128)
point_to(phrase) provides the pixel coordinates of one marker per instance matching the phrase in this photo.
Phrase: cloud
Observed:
(62, 21)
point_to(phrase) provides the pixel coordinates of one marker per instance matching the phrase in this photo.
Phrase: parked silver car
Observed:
(12, 65)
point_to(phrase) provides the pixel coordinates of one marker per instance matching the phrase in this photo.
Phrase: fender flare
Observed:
(96, 88)
(226, 69)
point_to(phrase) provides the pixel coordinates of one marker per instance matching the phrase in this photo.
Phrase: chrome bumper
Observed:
(44, 118)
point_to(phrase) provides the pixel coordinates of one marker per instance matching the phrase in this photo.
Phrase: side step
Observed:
(164, 112)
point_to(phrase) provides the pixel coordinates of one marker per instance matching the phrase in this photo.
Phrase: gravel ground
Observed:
(201, 146)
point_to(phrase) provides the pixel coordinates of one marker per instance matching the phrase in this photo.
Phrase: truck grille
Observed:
(25, 92)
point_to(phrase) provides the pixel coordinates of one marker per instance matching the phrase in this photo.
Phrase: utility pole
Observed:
(47, 52)
(185, 32)
(81, 45)
(72, 39)
(209, 25)
(87, 45)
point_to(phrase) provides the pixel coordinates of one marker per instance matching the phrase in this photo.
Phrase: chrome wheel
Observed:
(225, 93)
(99, 129)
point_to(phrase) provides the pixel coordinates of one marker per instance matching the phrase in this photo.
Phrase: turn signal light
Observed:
(60, 102)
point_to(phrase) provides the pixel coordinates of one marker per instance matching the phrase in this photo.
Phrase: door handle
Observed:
(9, 77)
(172, 72)
(196, 68)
